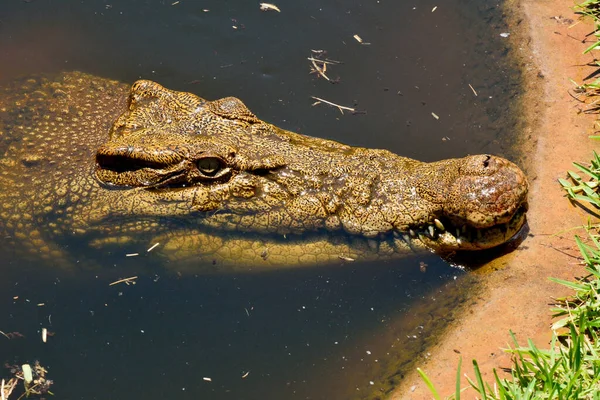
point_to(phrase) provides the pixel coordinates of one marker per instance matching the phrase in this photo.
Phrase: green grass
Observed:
(584, 188)
(570, 367)
(591, 8)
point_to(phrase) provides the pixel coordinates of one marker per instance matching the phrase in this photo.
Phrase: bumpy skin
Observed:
(214, 185)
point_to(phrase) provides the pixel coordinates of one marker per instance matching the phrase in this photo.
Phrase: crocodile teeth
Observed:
(431, 230)
(464, 229)
(412, 233)
(406, 238)
(457, 232)
(439, 225)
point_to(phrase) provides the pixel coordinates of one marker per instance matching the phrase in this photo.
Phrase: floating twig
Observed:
(153, 247)
(6, 388)
(126, 281)
(12, 335)
(325, 61)
(320, 71)
(319, 64)
(341, 108)
(474, 92)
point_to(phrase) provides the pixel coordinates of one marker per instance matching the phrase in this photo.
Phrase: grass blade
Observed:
(429, 384)
(457, 393)
(479, 380)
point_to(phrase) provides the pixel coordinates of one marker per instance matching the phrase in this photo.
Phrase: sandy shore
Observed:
(517, 293)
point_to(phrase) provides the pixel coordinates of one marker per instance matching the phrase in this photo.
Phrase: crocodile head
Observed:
(214, 163)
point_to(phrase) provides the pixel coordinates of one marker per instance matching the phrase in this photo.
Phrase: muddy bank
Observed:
(517, 291)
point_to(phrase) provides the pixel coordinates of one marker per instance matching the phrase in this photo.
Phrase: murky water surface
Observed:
(334, 332)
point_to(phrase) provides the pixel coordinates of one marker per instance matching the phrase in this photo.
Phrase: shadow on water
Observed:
(325, 332)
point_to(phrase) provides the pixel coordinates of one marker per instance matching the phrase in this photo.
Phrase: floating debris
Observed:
(44, 335)
(207, 379)
(33, 377)
(435, 115)
(320, 70)
(474, 92)
(6, 388)
(245, 375)
(360, 40)
(12, 335)
(319, 64)
(269, 7)
(341, 108)
(132, 254)
(127, 281)
(505, 34)
(27, 373)
(153, 247)
(433, 9)
(344, 258)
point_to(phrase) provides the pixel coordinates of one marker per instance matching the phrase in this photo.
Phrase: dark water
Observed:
(301, 333)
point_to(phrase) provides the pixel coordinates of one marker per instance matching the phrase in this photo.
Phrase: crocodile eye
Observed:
(209, 165)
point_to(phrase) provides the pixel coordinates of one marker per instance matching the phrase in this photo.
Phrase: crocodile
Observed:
(92, 167)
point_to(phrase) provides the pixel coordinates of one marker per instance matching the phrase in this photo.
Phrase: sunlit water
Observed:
(334, 332)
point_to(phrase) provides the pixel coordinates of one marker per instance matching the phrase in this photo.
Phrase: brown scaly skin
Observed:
(214, 185)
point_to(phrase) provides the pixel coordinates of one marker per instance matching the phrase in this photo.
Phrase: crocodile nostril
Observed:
(486, 162)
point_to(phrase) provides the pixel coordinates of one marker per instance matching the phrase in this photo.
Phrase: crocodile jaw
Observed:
(483, 206)
(452, 238)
